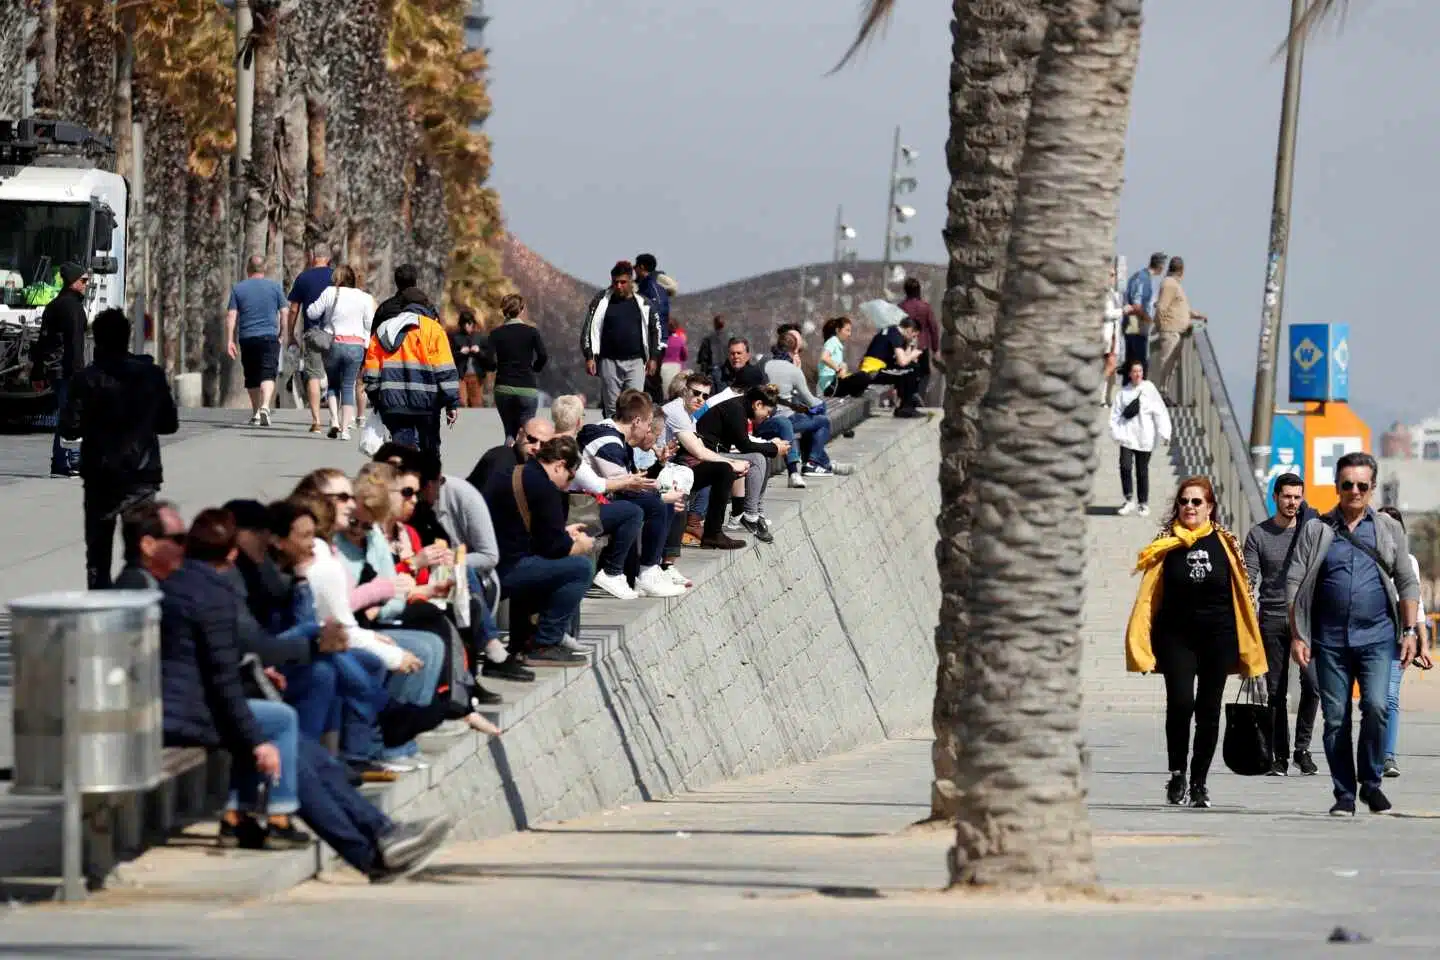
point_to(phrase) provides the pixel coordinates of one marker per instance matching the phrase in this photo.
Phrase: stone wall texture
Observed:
(814, 645)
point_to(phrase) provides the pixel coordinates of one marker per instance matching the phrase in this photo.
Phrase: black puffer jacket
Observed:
(60, 349)
(120, 406)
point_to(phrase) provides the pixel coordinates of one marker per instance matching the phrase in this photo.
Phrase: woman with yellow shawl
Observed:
(1195, 622)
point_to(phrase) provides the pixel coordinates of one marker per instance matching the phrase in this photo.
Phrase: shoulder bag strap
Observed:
(523, 505)
(1341, 531)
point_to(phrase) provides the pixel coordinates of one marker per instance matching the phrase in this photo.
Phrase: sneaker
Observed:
(1306, 763)
(333, 433)
(557, 656)
(1126, 508)
(759, 527)
(255, 419)
(508, 669)
(481, 697)
(815, 470)
(676, 577)
(690, 540)
(568, 642)
(345, 434)
(287, 837)
(1199, 796)
(1280, 769)
(908, 413)
(65, 474)
(1144, 510)
(615, 585)
(408, 847)
(722, 542)
(360, 422)
(1343, 808)
(797, 481)
(653, 582)
(247, 834)
(1175, 790)
(1375, 799)
(368, 771)
(264, 416)
(1392, 769)
(734, 522)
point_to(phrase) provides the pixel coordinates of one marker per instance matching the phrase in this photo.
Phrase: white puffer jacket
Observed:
(1141, 431)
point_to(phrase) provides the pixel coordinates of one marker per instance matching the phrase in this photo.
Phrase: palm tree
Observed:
(1011, 700)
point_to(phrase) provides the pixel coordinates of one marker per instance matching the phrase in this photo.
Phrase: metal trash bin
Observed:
(113, 637)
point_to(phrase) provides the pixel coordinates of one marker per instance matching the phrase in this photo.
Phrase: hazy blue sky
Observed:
(709, 134)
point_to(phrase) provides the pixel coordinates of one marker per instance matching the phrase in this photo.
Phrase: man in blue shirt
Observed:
(1354, 601)
(306, 289)
(1142, 291)
(252, 332)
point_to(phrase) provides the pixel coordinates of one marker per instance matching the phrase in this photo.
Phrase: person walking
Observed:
(1269, 548)
(677, 354)
(1141, 292)
(60, 348)
(1111, 337)
(1390, 767)
(347, 313)
(252, 333)
(1193, 622)
(928, 333)
(651, 284)
(307, 334)
(118, 408)
(468, 345)
(1173, 320)
(1354, 601)
(1138, 418)
(516, 353)
(621, 337)
(410, 376)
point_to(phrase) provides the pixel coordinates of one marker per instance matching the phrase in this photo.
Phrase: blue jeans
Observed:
(622, 521)
(342, 368)
(656, 530)
(335, 810)
(554, 588)
(515, 410)
(339, 691)
(1392, 708)
(812, 433)
(419, 430)
(1336, 668)
(417, 688)
(278, 725)
(62, 459)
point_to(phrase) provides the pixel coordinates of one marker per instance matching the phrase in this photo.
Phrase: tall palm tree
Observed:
(1014, 694)
(995, 46)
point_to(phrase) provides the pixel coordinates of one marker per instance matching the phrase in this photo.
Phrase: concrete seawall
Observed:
(784, 653)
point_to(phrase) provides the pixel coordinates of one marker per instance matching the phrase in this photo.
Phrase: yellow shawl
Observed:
(1139, 657)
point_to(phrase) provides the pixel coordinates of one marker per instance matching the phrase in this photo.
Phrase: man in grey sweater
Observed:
(1268, 548)
(800, 419)
(1354, 602)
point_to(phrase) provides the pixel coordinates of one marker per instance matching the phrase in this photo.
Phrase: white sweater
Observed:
(332, 602)
(1140, 431)
(347, 312)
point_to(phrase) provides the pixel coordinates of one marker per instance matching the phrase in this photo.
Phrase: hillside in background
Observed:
(752, 307)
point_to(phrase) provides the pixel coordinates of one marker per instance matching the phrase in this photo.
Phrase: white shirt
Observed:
(348, 313)
(1141, 431)
(331, 588)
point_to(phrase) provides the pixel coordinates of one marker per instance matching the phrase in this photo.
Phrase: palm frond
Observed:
(874, 17)
(1318, 13)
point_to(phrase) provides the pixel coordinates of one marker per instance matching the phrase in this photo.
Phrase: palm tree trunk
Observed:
(320, 186)
(14, 17)
(995, 48)
(261, 172)
(1020, 776)
(122, 106)
(47, 86)
(294, 179)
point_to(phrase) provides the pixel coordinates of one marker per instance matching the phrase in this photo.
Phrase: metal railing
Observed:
(1207, 421)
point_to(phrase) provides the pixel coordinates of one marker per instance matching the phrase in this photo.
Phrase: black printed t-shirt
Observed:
(1195, 588)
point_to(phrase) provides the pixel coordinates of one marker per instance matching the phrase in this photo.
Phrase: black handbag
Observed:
(1248, 750)
(1131, 411)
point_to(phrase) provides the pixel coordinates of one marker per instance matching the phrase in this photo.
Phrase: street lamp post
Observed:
(845, 255)
(1263, 414)
(895, 213)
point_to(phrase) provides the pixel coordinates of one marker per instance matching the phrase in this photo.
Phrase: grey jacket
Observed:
(1316, 536)
(791, 381)
(462, 511)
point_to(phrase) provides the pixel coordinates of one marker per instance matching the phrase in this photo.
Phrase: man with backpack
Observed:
(410, 374)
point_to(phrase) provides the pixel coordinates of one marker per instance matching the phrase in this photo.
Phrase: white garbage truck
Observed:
(59, 202)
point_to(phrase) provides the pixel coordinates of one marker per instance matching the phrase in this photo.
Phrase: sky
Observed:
(711, 135)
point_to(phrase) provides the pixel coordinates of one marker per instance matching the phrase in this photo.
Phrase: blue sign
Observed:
(1319, 362)
(1287, 455)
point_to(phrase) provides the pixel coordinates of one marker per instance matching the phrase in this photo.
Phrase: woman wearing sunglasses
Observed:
(1193, 621)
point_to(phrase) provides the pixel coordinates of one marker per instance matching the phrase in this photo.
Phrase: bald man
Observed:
(507, 457)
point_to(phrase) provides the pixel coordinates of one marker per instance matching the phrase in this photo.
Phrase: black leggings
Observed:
(1194, 687)
(1141, 485)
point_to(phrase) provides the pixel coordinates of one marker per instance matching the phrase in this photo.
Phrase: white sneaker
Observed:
(1127, 508)
(255, 419)
(653, 582)
(345, 434)
(678, 578)
(615, 585)
(568, 642)
(732, 522)
(264, 416)
(1144, 509)
(797, 480)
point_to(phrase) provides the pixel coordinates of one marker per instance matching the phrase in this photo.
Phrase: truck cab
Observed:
(58, 203)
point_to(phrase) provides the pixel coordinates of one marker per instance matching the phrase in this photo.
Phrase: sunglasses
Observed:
(407, 493)
(700, 394)
(533, 441)
(1348, 485)
(341, 497)
(1196, 502)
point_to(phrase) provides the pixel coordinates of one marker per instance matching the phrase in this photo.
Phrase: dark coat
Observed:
(119, 407)
(205, 702)
(61, 345)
